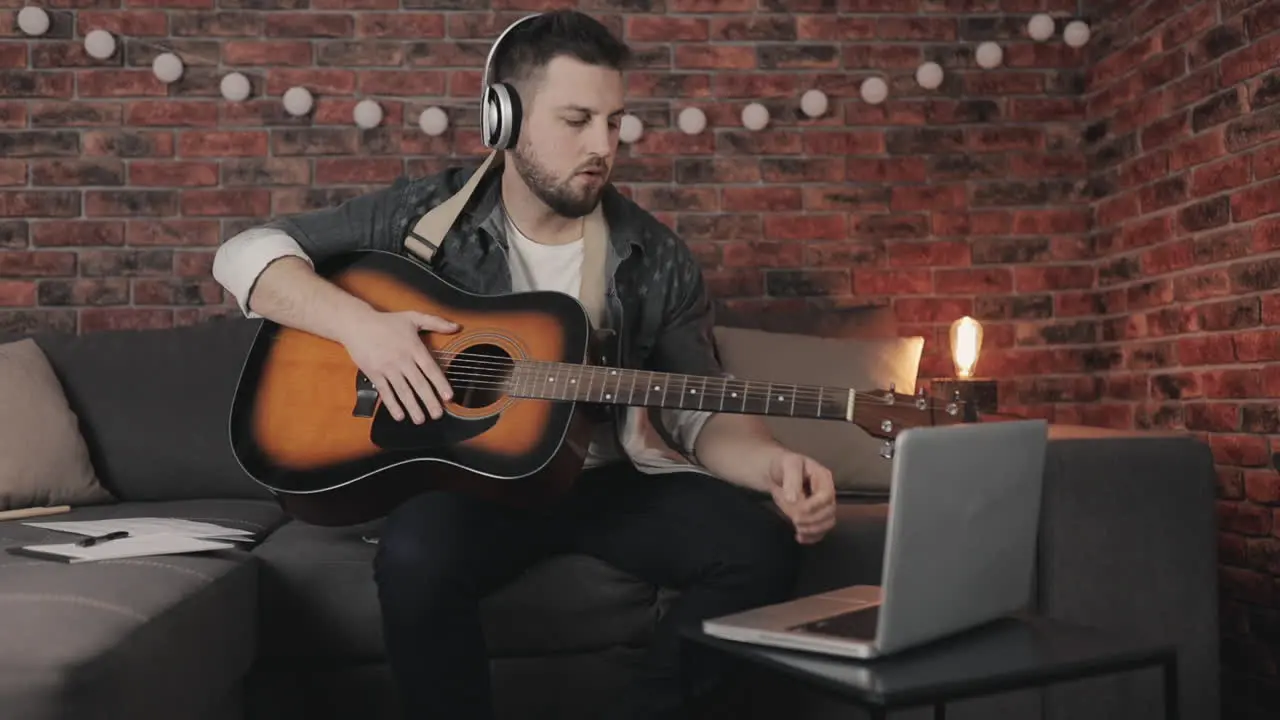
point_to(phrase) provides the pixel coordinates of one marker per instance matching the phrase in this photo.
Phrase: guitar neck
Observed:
(643, 388)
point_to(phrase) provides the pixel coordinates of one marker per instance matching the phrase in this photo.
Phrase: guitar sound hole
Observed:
(479, 375)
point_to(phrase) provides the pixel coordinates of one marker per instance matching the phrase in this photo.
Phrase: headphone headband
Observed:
(493, 49)
(499, 103)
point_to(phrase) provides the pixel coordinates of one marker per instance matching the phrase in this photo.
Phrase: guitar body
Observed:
(306, 423)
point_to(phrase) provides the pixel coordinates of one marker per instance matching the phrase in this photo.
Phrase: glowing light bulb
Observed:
(966, 343)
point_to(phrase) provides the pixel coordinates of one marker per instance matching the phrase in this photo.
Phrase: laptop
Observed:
(964, 511)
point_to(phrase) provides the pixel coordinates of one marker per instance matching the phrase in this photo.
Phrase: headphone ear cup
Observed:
(501, 116)
(490, 119)
(513, 116)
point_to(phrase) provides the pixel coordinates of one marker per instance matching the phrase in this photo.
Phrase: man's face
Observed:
(569, 138)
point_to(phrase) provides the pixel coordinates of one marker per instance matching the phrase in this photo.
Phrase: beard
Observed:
(561, 196)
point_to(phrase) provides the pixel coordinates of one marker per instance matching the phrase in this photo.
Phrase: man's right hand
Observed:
(388, 348)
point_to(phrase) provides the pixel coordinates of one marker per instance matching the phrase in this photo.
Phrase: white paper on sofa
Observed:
(147, 526)
(137, 546)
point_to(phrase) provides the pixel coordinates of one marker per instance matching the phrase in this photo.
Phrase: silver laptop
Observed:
(964, 511)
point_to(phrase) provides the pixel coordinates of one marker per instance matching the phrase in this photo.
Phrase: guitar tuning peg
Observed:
(921, 401)
(890, 394)
(886, 450)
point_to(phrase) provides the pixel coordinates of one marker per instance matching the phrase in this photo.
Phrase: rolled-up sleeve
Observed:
(686, 343)
(240, 261)
(368, 221)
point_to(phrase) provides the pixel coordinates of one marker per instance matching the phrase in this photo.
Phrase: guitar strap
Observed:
(428, 234)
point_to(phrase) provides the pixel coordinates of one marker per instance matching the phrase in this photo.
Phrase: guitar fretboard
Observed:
(583, 383)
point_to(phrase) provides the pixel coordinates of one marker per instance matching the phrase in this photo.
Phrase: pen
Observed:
(103, 538)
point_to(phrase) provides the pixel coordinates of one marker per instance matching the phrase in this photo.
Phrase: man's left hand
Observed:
(805, 492)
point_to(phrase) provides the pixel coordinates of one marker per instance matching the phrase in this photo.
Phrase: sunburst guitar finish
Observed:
(308, 425)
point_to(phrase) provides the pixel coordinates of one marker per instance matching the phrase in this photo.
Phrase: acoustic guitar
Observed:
(308, 425)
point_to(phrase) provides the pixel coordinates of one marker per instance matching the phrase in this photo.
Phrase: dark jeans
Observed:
(441, 553)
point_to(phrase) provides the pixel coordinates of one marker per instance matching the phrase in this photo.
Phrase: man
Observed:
(684, 518)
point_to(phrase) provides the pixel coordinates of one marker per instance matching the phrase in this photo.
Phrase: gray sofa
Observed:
(288, 628)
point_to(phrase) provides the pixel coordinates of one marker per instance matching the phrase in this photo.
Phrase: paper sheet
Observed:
(137, 546)
(147, 526)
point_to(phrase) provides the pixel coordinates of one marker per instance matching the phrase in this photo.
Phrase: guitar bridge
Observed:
(366, 396)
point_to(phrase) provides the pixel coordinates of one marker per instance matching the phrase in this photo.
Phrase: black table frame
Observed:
(1136, 657)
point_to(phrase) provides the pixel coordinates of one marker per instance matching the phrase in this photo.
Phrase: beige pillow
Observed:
(43, 458)
(865, 364)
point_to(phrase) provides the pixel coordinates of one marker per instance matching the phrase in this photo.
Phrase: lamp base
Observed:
(979, 395)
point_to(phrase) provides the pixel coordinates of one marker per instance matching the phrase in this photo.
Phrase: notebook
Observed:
(130, 547)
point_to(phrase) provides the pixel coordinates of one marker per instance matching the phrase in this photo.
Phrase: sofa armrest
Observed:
(1128, 541)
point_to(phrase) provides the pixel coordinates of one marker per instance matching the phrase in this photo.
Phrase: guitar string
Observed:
(807, 392)
(483, 378)
(818, 409)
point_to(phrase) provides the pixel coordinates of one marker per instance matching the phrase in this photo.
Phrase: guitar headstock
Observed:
(885, 413)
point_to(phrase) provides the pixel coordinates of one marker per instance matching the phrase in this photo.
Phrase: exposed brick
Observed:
(104, 319)
(128, 143)
(39, 143)
(1253, 129)
(99, 203)
(171, 233)
(73, 233)
(269, 52)
(1217, 109)
(1217, 177)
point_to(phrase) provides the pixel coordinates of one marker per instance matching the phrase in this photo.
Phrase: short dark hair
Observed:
(528, 48)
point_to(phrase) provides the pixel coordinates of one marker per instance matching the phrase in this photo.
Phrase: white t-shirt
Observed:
(537, 266)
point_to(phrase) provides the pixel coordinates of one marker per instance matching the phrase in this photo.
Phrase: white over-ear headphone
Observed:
(499, 102)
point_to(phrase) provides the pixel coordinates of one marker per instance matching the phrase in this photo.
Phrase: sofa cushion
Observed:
(43, 458)
(865, 364)
(161, 636)
(319, 601)
(173, 442)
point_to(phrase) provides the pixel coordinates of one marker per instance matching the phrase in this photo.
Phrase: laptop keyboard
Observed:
(857, 624)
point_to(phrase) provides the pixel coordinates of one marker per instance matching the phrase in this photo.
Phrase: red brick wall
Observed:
(1184, 146)
(944, 202)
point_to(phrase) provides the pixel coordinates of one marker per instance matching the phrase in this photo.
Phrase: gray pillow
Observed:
(44, 460)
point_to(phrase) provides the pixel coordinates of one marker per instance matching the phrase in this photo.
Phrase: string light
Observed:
(367, 114)
(929, 75)
(100, 44)
(33, 21)
(874, 90)
(989, 55)
(1076, 34)
(297, 101)
(631, 129)
(433, 121)
(1040, 27)
(692, 120)
(813, 103)
(235, 87)
(755, 116)
(169, 67)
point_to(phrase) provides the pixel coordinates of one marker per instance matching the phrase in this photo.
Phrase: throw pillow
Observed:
(43, 457)
(865, 364)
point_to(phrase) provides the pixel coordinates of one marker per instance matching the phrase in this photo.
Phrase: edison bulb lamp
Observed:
(964, 392)
(966, 343)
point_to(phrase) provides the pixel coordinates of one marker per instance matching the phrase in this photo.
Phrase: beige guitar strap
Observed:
(427, 235)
